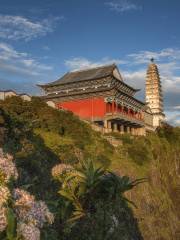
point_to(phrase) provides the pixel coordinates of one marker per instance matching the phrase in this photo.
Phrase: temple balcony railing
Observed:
(125, 116)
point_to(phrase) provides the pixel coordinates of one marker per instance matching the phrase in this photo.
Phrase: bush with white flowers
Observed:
(30, 215)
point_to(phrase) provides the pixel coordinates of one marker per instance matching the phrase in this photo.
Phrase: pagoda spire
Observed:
(154, 96)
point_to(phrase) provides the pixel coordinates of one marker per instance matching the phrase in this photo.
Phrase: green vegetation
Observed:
(40, 138)
(156, 157)
(96, 203)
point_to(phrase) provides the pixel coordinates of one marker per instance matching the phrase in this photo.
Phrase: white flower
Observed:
(31, 215)
(4, 195)
(23, 198)
(41, 214)
(3, 220)
(30, 211)
(28, 231)
(60, 169)
(23, 203)
(7, 166)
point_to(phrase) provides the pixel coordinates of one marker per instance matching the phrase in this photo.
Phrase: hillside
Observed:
(40, 137)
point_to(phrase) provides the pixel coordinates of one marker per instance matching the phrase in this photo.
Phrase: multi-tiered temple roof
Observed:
(85, 75)
(101, 81)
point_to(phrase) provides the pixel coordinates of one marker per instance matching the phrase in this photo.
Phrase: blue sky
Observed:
(41, 40)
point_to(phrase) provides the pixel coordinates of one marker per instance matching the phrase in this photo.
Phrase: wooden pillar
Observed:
(140, 131)
(133, 131)
(109, 126)
(143, 132)
(128, 129)
(136, 131)
(122, 129)
(105, 124)
(115, 129)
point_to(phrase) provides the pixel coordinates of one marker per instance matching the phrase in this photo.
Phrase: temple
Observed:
(100, 96)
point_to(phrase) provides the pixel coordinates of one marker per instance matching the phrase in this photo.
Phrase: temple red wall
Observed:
(85, 108)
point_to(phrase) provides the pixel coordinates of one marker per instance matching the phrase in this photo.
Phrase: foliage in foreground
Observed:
(95, 202)
(21, 217)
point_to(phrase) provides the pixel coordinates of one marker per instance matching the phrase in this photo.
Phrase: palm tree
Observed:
(83, 186)
(78, 186)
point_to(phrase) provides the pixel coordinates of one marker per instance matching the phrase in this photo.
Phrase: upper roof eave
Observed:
(134, 89)
(62, 84)
(94, 73)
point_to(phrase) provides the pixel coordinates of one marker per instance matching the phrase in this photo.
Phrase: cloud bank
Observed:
(80, 63)
(122, 6)
(12, 61)
(19, 27)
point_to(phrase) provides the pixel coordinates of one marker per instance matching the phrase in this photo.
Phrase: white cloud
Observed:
(168, 61)
(169, 78)
(136, 78)
(83, 63)
(171, 83)
(173, 118)
(12, 61)
(20, 86)
(18, 27)
(122, 6)
(177, 107)
(167, 54)
(46, 48)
